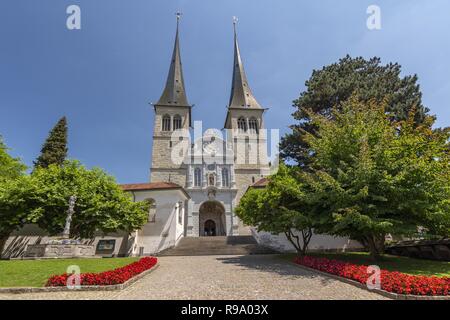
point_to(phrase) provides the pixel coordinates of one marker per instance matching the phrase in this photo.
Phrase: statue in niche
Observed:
(211, 180)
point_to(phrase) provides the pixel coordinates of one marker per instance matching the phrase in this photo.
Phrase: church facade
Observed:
(217, 167)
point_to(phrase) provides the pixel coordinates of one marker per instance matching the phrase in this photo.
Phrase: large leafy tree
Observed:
(279, 208)
(12, 216)
(101, 204)
(10, 168)
(329, 87)
(54, 150)
(370, 177)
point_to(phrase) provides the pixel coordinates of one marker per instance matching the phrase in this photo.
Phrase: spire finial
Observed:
(178, 14)
(235, 21)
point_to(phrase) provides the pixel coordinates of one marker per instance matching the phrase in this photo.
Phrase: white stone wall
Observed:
(166, 230)
(318, 242)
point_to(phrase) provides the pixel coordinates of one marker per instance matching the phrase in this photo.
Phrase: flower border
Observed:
(106, 278)
(393, 282)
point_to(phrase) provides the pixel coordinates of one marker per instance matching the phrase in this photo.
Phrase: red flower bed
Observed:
(395, 282)
(116, 276)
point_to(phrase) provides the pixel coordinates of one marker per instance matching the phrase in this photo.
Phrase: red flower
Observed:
(116, 276)
(396, 282)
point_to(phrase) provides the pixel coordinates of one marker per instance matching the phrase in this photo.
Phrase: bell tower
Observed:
(172, 113)
(245, 128)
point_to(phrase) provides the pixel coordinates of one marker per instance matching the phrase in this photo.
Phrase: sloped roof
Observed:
(150, 186)
(153, 186)
(261, 183)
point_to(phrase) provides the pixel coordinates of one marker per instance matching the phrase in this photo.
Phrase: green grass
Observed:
(391, 263)
(34, 273)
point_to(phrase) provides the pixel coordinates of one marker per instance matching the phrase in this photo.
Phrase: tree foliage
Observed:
(54, 150)
(279, 208)
(10, 168)
(12, 213)
(101, 204)
(331, 86)
(370, 177)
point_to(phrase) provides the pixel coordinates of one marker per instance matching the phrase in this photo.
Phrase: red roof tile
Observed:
(150, 186)
(261, 183)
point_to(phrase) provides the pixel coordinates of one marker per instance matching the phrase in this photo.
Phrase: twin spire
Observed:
(174, 93)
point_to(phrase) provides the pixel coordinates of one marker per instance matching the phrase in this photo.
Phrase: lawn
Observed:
(392, 263)
(34, 273)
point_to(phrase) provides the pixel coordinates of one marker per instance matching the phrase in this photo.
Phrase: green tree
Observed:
(279, 208)
(328, 88)
(54, 150)
(10, 168)
(12, 172)
(101, 204)
(370, 177)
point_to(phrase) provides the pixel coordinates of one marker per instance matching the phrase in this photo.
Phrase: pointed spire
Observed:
(174, 93)
(241, 94)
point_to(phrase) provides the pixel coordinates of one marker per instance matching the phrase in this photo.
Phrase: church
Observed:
(214, 170)
(194, 184)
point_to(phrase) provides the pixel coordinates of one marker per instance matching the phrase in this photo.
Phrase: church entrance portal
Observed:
(212, 219)
(210, 228)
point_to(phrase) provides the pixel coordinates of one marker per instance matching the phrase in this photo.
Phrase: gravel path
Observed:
(223, 277)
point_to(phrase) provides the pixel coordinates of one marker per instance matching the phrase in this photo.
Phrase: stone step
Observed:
(234, 245)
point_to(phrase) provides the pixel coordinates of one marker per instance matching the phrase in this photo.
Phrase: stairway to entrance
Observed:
(202, 246)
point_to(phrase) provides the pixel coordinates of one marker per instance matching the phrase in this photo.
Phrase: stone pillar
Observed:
(233, 178)
(205, 176)
(190, 180)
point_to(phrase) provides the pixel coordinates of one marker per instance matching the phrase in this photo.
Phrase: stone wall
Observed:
(18, 241)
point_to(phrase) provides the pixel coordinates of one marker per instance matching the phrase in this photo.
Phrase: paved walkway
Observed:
(223, 277)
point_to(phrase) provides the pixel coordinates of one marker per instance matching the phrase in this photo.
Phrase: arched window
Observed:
(242, 125)
(152, 210)
(166, 123)
(176, 122)
(197, 177)
(253, 125)
(225, 178)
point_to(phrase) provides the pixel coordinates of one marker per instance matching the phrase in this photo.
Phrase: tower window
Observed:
(176, 122)
(253, 125)
(166, 123)
(225, 178)
(197, 177)
(242, 125)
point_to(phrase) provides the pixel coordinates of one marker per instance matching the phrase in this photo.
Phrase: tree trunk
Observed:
(306, 237)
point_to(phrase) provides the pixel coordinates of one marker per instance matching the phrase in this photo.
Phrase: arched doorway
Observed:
(212, 219)
(210, 228)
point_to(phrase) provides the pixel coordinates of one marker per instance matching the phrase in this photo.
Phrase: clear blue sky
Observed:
(103, 76)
